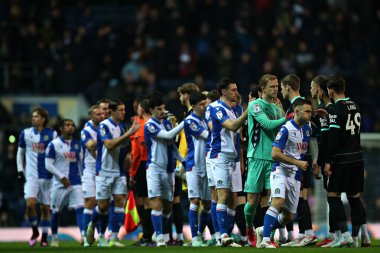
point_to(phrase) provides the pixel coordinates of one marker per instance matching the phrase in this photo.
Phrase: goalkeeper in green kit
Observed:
(265, 116)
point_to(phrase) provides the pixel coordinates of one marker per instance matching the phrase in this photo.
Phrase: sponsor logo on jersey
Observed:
(70, 156)
(46, 137)
(38, 147)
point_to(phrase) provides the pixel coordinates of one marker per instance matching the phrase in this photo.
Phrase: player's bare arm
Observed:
(277, 155)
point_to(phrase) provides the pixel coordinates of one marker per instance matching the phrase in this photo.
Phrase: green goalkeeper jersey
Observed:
(264, 120)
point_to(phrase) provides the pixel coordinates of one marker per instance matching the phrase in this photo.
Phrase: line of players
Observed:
(213, 162)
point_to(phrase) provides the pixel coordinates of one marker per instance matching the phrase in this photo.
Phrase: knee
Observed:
(253, 199)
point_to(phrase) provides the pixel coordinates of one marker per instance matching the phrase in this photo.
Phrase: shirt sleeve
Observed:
(21, 142)
(193, 127)
(220, 114)
(256, 111)
(104, 133)
(281, 138)
(152, 129)
(50, 151)
(85, 136)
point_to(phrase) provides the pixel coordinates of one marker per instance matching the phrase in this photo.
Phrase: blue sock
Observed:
(214, 219)
(111, 213)
(100, 220)
(204, 218)
(79, 217)
(221, 214)
(54, 222)
(87, 213)
(118, 219)
(193, 220)
(45, 224)
(157, 221)
(230, 220)
(270, 221)
(33, 221)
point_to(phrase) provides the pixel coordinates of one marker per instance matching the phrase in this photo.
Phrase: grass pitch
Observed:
(74, 247)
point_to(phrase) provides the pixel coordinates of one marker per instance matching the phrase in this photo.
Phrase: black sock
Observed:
(258, 220)
(240, 219)
(140, 210)
(308, 223)
(35, 230)
(289, 226)
(210, 226)
(337, 208)
(332, 222)
(44, 237)
(301, 215)
(357, 214)
(149, 225)
(177, 217)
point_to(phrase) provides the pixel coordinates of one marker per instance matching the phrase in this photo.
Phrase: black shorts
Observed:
(177, 186)
(348, 179)
(306, 175)
(141, 188)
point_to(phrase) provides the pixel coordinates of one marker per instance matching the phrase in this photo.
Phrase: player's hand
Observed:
(277, 102)
(303, 165)
(316, 170)
(21, 177)
(321, 113)
(65, 182)
(290, 116)
(133, 129)
(132, 182)
(327, 169)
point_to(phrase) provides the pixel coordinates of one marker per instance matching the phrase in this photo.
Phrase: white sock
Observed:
(282, 234)
(338, 233)
(364, 233)
(291, 235)
(166, 237)
(180, 237)
(331, 236)
(309, 232)
(356, 241)
(301, 235)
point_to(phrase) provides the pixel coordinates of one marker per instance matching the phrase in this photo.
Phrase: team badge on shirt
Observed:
(256, 108)
(46, 137)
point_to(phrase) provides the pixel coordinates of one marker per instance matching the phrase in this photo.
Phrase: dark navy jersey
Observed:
(344, 133)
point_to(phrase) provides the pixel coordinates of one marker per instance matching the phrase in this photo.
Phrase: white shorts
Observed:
(38, 189)
(88, 185)
(237, 185)
(108, 186)
(209, 170)
(72, 196)
(222, 171)
(160, 183)
(197, 186)
(285, 187)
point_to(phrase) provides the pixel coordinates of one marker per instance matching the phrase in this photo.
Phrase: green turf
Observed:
(74, 247)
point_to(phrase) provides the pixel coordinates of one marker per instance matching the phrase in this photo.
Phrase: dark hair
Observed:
(301, 101)
(265, 79)
(63, 121)
(145, 105)
(91, 110)
(337, 84)
(139, 98)
(213, 95)
(114, 104)
(321, 81)
(255, 92)
(103, 100)
(43, 113)
(188, 88)
(196, 97)
(293, 81)
(223, 84)
(156, 99)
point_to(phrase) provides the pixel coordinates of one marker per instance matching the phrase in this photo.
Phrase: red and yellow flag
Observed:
(132, 218)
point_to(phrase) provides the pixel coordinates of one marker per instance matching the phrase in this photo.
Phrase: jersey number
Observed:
(352, 124)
